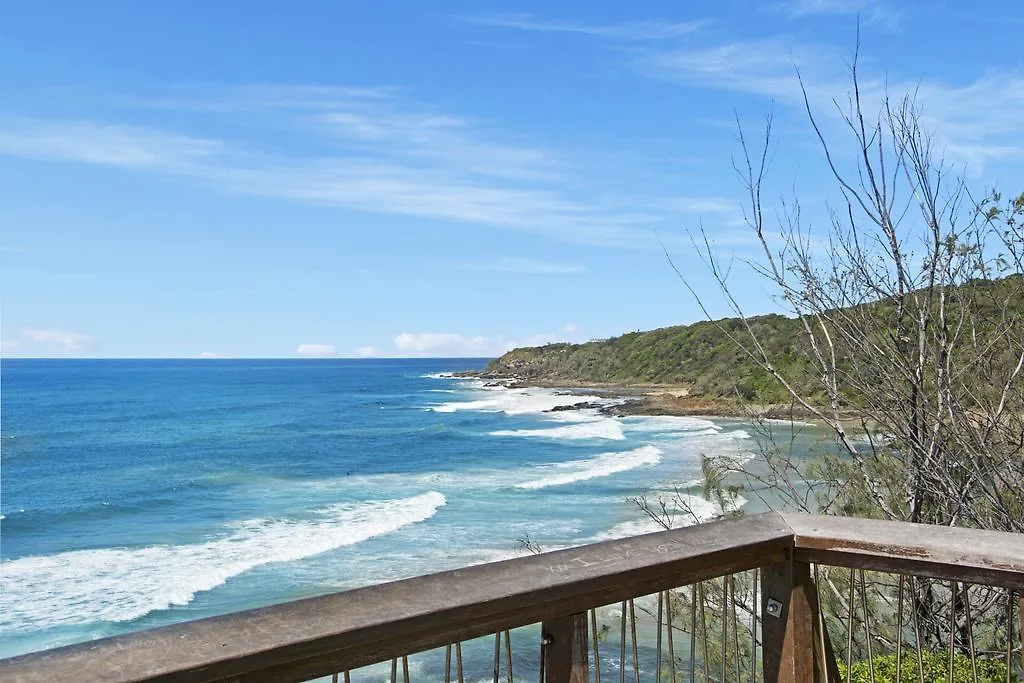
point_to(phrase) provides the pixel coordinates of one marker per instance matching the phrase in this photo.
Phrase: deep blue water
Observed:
(137, 493)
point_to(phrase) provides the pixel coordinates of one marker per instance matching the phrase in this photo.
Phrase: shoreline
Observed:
(652, 399)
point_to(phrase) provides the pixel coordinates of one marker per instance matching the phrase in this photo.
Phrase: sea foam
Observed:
(686, 510)
(121, 584)
(599, 466)
(517, 401)
(670, 423)
(606, 428)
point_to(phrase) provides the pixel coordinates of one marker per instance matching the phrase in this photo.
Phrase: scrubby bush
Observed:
(936, 669)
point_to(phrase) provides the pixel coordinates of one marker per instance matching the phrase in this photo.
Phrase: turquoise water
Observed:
(138, 493)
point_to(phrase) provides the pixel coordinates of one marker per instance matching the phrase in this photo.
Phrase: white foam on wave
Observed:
(517, 401)
(595, 429)
(634, 527)
(599, 466)
(670, 423)
(120, 584)
(438, 375)
(686, 510)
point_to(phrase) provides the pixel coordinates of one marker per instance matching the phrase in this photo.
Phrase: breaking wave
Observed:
(599, 466)
(121, 584)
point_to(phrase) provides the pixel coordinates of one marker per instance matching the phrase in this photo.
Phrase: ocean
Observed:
(138, 493)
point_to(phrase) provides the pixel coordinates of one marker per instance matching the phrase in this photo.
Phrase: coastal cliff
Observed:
(703, 368)
(698, 360)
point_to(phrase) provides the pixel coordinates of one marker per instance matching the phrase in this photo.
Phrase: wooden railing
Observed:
(764, 579)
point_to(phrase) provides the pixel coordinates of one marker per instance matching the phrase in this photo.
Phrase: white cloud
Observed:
(525, 266)
(440, 344)
(367, 150)
(764, 66)
(50, 342)
(570, 328)
(650, 29)
(449, 344)
(210, 354)
(105, 145)
(871, 11)
(369, 352)
(316, 351)
(974, 123)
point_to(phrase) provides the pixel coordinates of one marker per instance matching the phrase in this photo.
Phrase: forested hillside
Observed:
(702, 358)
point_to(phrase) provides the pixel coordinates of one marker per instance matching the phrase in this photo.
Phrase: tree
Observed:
(911, 307)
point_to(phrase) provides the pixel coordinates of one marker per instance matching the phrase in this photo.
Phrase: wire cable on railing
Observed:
(545, 640)
(636, 654)
(735, 628)
(899, 630)
(725, 629)
(867, 626)
(657, 638)
(756, 603)
(821, 625)
(508, 655)
(622, 646)
(952, 626)
(917, 631)
(497, 656)
(850, 629)
(1009, 635)
(970, 632)
(693, 632)
(671, 650)
(704, 633)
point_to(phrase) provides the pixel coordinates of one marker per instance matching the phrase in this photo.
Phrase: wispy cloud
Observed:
(450, 344)
(650, 29)
(879, 12)
(766, 66)
(105, 145)
(524, 266)
(49, 342)
(373, 152)
(439, 344)
(974, 123)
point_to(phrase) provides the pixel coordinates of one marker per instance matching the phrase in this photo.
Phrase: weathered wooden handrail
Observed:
(317, 636)
(972, 555)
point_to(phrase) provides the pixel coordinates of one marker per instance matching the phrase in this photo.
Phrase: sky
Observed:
(252, 178)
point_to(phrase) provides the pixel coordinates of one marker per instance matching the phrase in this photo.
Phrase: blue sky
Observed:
(265, 179)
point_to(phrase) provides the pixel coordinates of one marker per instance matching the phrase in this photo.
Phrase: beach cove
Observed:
(142, 493)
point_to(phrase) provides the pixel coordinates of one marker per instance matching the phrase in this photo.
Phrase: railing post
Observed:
(568, 650)
(795, 646)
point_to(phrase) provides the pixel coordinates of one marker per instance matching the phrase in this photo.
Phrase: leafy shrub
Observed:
(936, 669)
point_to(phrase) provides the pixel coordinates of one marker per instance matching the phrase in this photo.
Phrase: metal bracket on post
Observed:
(565, 648)
(794, 648)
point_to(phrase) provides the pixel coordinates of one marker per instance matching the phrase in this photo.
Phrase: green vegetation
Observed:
(934, 665)
(700, 357)
(705, 357)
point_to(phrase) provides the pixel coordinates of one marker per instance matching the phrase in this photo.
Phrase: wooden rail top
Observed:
(317, 636)
(972, 555)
